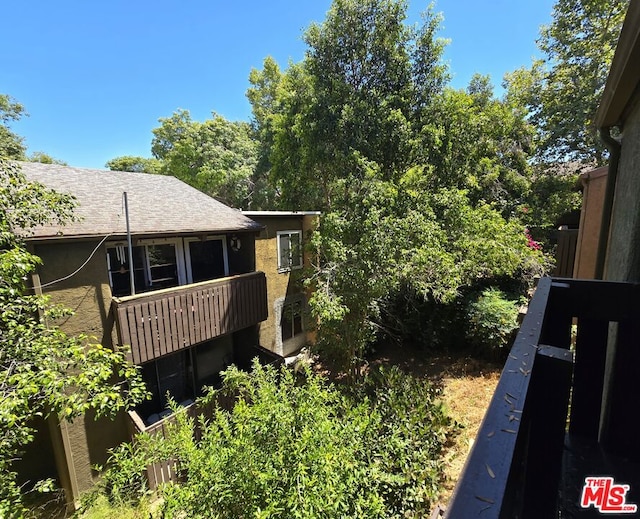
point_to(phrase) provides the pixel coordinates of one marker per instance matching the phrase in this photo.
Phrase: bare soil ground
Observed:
(468, 385)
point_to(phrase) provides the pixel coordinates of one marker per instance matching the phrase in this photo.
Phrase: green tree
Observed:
(134, 164)
(216, 156)
(264, 94)
(481, 144)
(45, 158)
(563, 89)
(358, 94)
(11, 145)
(43, 371)
(418, 183)
(407, 236)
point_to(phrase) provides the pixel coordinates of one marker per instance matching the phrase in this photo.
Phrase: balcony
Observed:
(165, 321)
(566, 407)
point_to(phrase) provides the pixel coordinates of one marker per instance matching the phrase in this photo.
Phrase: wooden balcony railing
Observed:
(165, 321)
(580, 344)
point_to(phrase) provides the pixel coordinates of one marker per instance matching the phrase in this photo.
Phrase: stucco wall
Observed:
(87, 293)
(623, 258)
(280, 285)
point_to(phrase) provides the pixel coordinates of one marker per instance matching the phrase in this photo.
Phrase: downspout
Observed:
(607, 207)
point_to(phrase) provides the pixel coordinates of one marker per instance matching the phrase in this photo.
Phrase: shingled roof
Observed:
(158, 204)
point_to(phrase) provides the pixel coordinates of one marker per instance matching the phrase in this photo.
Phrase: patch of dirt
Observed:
(467, 391)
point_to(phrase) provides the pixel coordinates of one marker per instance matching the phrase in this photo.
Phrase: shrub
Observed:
(296, 446)
(492, 319)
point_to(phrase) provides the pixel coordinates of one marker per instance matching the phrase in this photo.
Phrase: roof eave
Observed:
(144, 234)
(622, 83)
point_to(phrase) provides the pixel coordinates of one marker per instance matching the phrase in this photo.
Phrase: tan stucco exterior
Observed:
(593, 184)
(623, 257)
(83, 443)
(281, 285)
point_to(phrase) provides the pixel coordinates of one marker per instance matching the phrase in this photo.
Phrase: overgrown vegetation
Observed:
(492, 320)
(295, 445)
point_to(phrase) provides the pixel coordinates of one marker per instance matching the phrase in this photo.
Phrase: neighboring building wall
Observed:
(623, 258)
(594, 185)
(83, 443)
(85, 440)
(282, 287)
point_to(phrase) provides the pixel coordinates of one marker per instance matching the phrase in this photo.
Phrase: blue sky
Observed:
(96, 75)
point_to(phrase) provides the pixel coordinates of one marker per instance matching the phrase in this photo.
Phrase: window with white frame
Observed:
(289, 250)
(291, 320)
(165, 263)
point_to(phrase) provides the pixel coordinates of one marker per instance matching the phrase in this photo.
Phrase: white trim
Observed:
(187, 254)
(289, 267)
(179, 249)
(296, 342)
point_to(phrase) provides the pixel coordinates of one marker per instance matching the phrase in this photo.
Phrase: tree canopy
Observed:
(563, 89)
(420, 184)
(216, 156)
(11, 145)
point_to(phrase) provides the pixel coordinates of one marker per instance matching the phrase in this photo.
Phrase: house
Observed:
(281, 256)
(561, 436)
(180, 288)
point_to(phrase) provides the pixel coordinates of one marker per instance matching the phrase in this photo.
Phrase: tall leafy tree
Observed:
(264, 96)
(415, 179)
(134, 164)
(216, 156)
(407, 235)
(42, 370)
(356, 95)
(563, 89)
(479, 143)
(11, 145)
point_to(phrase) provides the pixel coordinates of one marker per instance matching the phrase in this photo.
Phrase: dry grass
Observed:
(468, 385)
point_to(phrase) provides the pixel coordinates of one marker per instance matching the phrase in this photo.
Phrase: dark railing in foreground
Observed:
(518, 462)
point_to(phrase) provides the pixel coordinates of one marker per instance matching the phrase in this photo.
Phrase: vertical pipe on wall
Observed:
(129, 245)
(607, 207)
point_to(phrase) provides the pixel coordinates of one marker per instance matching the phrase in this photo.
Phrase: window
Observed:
(118, 265)
(291, 320)
(182, 375)
(162, 264)
(206, 259)
(166, 263)
(289, 250)
(171, 375)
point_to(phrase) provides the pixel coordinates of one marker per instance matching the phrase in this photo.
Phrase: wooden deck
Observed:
(157, 323)
(533, 450)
